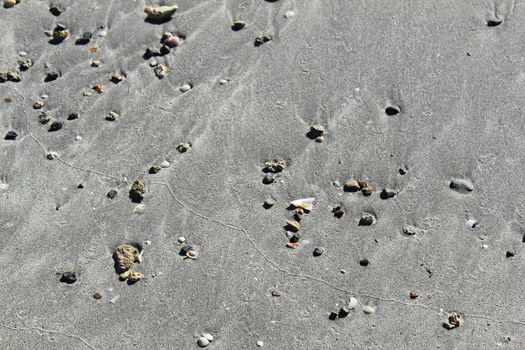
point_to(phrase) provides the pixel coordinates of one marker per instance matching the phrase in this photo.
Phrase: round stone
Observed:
(319, 251)
(185, 87)
(203, 342)
(164, 164)
(208, 336)
(181, 239)
(22, 53)
(78, 138)
(223, 81)
(367, 309)
(260, 344)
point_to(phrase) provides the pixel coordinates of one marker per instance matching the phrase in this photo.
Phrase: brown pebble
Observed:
(52, 155)
(8, 100)
(292, 245)
(38, 104)
(367, 191)
(413, 294)
(352, 186)
(339, 211)
(98, 89)
(137, 191)
(97, 295)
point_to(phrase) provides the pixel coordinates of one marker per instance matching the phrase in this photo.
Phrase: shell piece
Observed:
(160, 13)
(367, 309)
(305, 203)
(352, 303)
(471, 224)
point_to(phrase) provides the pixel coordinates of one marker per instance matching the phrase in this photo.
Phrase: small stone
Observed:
(352, 303)
(343, 312)
(38, 104)
(96, 63)
(269, 202)
(164, 50)
(181, 239)
(510, 254)
(161, 71)
(87, 93)
(403, 170)
(10, 135)
(186, 248)
(125, 257)
(223, 81)
(471, 224)
(117, 78)
(494, 22)
(352, 186)
(261, 39)
(160, 13)
(208, 336)
(292, 245)
(274, 166)
(367, 309)
(183, 147)
(192, 254)
(153, 63)
(173, 41)
(165, 164)
(97, 295)
(52, 155)
(99, 89)
(84, 39)
(339, 211)
(112, 194)
(111, 116)
(387, 193)
(318, 251)
(317, 130)
(275, 292)
(260, 344)
(55, 126)
(154, 169)
(25, 63)
(392, 110)
(102, 33)
(319, 139)
(289, 14)
(22, 53)
(367, 190)
(203, 342)
(80, 186)
(367, 219)
(9, 3)
(413, 295)
(60, 33)
(56, 10)
(185, 88)
(72, 116)
(78, 138)
(12, 75)
(137, 191)
(238, 25)
(336, 183)
(364, 262)
(68, 277)
(409, 230)
(293, 225)
(268, 179)
(295, 237)
(461, 186)
(135, 276)
(114, 299)
(453, 321)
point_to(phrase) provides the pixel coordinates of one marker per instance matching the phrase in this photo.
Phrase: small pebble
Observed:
(111, 116)
(387, 193)
(44, 96)
(352, 303)
(56, 10)
(367, 190)
(78, 138)
(364, 262)
(84, 39)
(97, 295)
(72, 116)
(51, 76)
(208, 336)
(510, 254)
(352, 186)
(203, 342)
(367, 219)
(55, 126)
(22, 53)
(173, 41)
(102, 33)
(339, 211)
(414, 295)
(260, 344)
(112, 194)
(185, 88)
(183, 147)
(409, 230)
(52, 155)
(268, 179)
(367, 309)
(9, 3)
(10, 135)
(117, 78)
(96, 63)
(114, 299)
(238, 25)
(99, 89)
(392, 110)
(164, 164)
(269, 202)
(289, 14)
(161, 71)
(318, 251)
(68, 277)
(154, 169)
(484, 246)
(223, 81)
(261, 39)
(293, 225)
(275, 292)
(38, 104)
(462, 186)
(471, 224)
(181, 239)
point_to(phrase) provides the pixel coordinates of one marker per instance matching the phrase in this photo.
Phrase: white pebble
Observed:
(164, 164)
(139, 208)
(78, 138)
(185, 88)
(367, 309)
(181, 239)
(102, 33)
(22, 53)
(260, 344)
(208, 336)
(484, 246)
(471, 224)
(353, 303)
(148, 242)
(223, 81)
(203, 342)
(289, 14)
(44, 96)
(114, 300)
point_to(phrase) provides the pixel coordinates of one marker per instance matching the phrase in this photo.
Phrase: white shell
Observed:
(208, 336)
(305, 203)
(164, 164)
(367, 309)
(471, 223)
(260, 344)
(353, 303)
(289, 14)
(203, 342)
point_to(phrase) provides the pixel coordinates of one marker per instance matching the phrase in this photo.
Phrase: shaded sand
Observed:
(457, 85)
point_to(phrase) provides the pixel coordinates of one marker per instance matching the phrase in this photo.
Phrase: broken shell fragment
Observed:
(454, 321)
(305, 203)
(352, 303)
(192, 254)
(208, 336)
(160, 13)
(367, 309)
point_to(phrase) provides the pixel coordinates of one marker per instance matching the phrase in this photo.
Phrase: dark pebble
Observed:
(343, 312)
(55, 10)
(44, 118)
(268, 179)
(364, 262)
(164, 50)
(112, 194)
(510, 254)
(68, 277)
(461, 185)
(72, 116)
(97, 295)
(84, 39)
(333, 316)
(154, 169)
(55, 126)
(392, 110)
(318, 251)
(186, 248)
(53, 75)
(387, 193)
(494, 22)
(10, 135)
(238, 25)
(80, 186)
